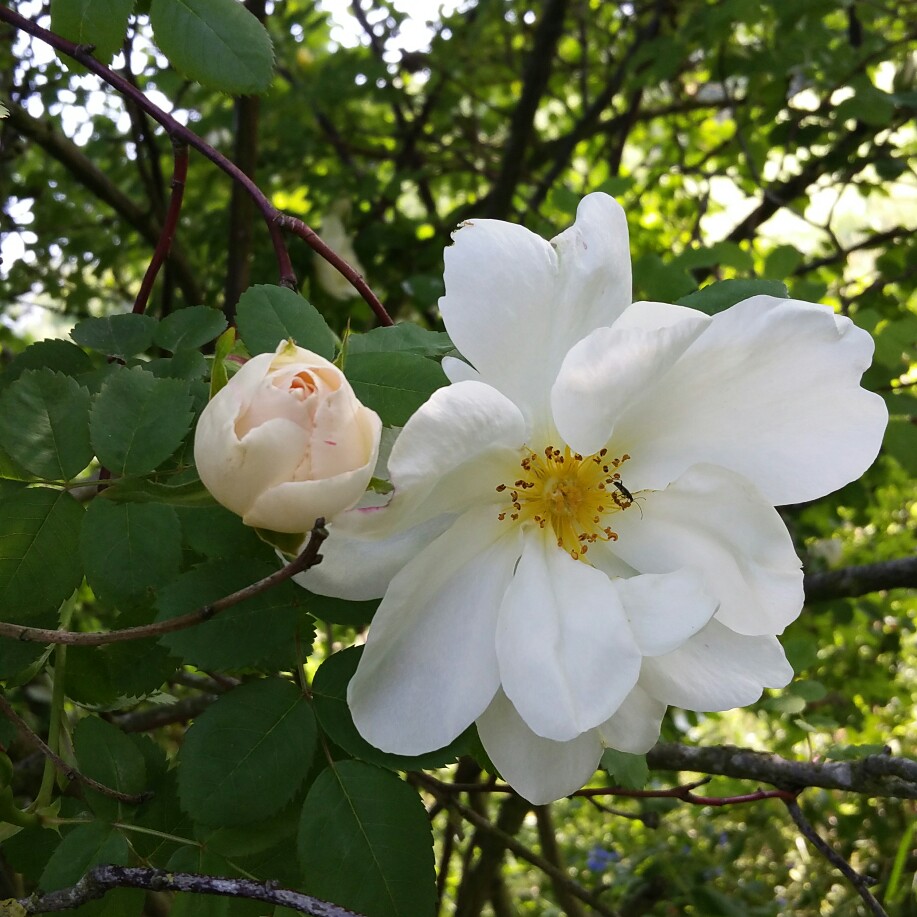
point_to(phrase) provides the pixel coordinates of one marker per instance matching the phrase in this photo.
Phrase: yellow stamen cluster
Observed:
(570, 493)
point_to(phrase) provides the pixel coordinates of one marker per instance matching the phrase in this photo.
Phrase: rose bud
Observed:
(286, 441)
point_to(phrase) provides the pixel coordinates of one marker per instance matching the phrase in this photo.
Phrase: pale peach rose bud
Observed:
(286, 441)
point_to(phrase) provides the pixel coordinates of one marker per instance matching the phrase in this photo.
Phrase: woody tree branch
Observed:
(848, 582)
(616, 127)
(522, 124)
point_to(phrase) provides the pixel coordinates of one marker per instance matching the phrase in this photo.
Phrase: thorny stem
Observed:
(860, 883)
(684, 793)
(276, 220)
(26, 732)
(309, 557)
(179, 175)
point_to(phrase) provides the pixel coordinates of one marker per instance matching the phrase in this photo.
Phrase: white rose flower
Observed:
(583, 530)
(286, 441)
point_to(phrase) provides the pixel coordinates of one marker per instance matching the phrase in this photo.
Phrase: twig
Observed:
(309, 557)
(685, 794)
(558, 876)
(70, 772)
(102, 879)
(179, 175)
(165, 714)
(650, 819)
(876, 240)
(860, 883)
(682, 792)
(274, 218)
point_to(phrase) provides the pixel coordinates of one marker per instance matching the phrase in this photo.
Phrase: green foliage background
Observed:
(749, 142)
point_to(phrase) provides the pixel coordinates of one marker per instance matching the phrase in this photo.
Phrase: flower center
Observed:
(572, 494)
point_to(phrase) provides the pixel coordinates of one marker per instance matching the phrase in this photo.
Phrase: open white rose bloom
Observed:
(582, 529)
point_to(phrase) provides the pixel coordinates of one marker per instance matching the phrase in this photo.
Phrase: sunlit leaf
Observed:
(116, 335)
(216, 42)
(100, 23)
(189, 328)
(138, 421)
(268, 315)
(394, 385)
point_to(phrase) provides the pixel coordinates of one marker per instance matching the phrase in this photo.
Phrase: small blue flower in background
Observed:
(599, 859)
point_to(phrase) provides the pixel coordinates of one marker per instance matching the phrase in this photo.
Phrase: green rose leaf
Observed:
(901, 442)
(138, 421)
(213, 531)
(727, 253)
(341, 611)
(40, 562)
(109, 757)
(782, 261)
(110, 676)
(84, 847)
(404, 337)
(18, 657)
(245, 757)
(44, 424)
(394, 385)
(717, 297)
(216, 42)
(129, 548)
(116, 335)
(628, 771)
(189, 328)
(61, 356)
(656, 280)
(268, 315)
(358, 820)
